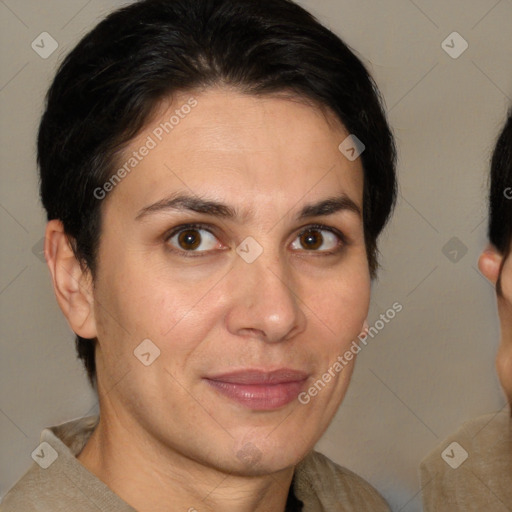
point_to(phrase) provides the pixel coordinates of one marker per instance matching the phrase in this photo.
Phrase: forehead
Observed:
(266, 150)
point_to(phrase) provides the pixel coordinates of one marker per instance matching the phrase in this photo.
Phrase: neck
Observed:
(154, 478)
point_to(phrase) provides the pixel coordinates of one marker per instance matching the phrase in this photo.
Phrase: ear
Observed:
(72, 285)
(489, 263)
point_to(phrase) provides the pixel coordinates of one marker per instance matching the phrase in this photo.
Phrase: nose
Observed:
(266, 302)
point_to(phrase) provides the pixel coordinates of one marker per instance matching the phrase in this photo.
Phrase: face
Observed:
(491, 264)
(235, 245)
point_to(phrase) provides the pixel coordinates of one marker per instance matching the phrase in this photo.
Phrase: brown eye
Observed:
(311, 240)
(189, 239)
(317, 240)
(193, 240)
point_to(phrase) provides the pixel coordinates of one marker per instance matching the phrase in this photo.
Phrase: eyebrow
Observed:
(182, 202)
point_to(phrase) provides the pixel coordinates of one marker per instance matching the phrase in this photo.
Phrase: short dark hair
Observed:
(109, 85)
(500, 195)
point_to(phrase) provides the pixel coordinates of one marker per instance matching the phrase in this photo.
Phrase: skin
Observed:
(491, 262)
(164, 431)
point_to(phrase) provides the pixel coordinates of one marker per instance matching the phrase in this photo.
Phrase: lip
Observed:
(260, 390)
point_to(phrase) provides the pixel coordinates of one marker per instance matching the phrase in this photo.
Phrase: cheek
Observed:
(345, 299)
(504, 355)
(164, 311)
(506, 280)
(504, 367)
(339, 309)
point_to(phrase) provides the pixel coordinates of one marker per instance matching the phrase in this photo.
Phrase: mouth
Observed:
(260, 390)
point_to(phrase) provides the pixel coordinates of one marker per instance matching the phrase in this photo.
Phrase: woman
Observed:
(216, 174)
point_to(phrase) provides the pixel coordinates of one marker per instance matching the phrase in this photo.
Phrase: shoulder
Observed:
(324, 485)
(473, 442)
(23, 496)
(57, 481)
(473, 466)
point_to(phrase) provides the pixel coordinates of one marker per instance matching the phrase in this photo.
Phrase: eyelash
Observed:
(310, 227)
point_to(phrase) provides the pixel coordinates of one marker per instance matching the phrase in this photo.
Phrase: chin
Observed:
(263, 455)
(251, 462)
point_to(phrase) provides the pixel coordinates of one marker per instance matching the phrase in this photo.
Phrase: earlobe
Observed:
(72, 284)
(489, 264)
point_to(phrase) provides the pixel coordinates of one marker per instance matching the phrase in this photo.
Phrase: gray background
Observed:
(432, 367)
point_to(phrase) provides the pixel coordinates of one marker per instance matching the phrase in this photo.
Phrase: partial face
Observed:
(490, 264)
(235, 244)
(504, 358)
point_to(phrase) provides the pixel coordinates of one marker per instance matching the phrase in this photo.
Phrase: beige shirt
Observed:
(65, 485)
(472, 469)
